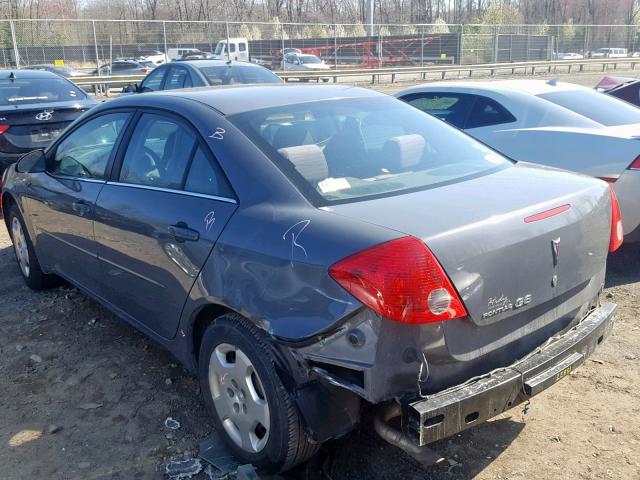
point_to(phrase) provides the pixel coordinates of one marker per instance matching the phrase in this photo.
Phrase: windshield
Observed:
(24, 91)
(600, 107)
(309, 59)
(343, 150)
(229, 75)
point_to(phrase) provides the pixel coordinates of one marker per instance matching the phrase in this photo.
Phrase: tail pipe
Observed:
(423, 455)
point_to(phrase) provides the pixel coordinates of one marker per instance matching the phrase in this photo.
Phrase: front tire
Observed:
(30, 269)
(251, 408)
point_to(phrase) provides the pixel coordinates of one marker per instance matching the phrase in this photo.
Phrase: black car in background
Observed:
(203, 73)
(62, 71)
(35, 106)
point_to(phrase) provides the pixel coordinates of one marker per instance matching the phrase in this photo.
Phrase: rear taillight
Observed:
(401, 280)
(4, 128)
(617, 232)
(146, 70)
(635, 165)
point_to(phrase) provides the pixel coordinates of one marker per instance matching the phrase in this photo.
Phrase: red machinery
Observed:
(392, 51)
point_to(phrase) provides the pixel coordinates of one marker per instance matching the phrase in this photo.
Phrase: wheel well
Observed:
(203, 319)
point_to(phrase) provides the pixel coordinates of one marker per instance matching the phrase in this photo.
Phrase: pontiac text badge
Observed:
(502, 303)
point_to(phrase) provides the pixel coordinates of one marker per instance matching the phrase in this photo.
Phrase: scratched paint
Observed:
(294, 232)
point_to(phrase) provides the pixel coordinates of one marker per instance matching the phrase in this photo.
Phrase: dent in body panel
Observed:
(257, 268)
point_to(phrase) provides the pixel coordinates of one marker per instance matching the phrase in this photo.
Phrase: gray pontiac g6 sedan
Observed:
(309, 250)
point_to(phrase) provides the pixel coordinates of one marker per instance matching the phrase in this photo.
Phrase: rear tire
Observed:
(28, 263)
(251, 408)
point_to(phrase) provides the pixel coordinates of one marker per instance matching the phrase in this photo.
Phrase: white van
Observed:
(177, 53)
(610, 53)
(238, 50)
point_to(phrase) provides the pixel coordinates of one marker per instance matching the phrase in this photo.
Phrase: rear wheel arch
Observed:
(204, 317)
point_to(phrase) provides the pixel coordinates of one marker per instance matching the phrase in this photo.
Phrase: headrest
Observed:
(404, 151)
(308, 160)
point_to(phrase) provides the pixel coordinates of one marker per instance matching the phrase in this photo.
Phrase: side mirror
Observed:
(131, 88)
(32, 162)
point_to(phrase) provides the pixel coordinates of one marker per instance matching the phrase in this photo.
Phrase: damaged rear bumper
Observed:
(458, 408)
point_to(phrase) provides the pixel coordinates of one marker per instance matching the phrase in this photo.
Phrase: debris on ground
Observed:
(182, 469)
(36, 358)
(214, 451)
(246, 472)
(90, 406)
(171, 424)
(51, 429)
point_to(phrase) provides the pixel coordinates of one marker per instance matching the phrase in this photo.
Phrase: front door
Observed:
(158, 220)
(63, 205)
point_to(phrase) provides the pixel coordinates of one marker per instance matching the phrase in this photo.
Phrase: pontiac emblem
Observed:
(46, 115)
(555, 248)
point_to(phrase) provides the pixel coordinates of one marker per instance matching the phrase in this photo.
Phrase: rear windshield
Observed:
(24, 91)
(344, 150)
(600, 107)
(225, 75)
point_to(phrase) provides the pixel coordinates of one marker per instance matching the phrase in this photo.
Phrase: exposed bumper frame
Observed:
(453, 410)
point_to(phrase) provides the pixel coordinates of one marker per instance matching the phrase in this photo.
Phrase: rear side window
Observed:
(24, 91)
(485, 112)
(158, 153)
(205, 176)
(86, 151)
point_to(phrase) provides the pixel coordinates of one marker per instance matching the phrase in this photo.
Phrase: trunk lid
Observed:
(502, 265)
(36, 125)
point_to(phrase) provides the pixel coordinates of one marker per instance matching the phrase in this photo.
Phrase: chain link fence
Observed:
(89, 43)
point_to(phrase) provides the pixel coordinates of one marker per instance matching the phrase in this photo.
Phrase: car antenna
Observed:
(553, 82)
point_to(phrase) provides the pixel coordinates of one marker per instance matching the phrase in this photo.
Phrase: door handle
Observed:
(81, 207)
(182, 233)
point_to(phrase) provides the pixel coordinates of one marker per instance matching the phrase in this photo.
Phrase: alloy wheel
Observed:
(20, 246)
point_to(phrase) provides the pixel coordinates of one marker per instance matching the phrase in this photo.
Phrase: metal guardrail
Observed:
(101, 84)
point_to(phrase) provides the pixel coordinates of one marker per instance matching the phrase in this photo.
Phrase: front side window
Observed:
(23, 91)
(153, 82)
(86, 151)
(228, 75)
(242, 47)
(453, 108)
(158, 153)
(176, 78)
(345, 150)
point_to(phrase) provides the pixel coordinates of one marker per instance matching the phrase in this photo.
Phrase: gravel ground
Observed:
(84, 396)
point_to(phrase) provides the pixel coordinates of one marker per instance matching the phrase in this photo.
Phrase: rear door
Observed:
(62, 205)
(158, 219)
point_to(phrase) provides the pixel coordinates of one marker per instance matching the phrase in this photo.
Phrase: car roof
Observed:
(215, 63)
(232, 99)
(532, 87)
(6, 74)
